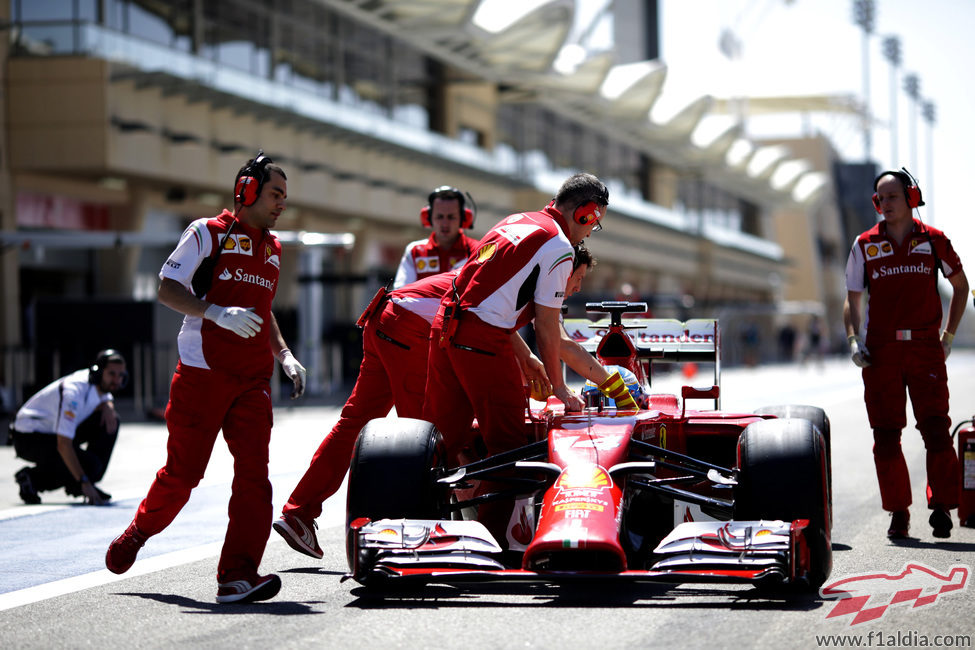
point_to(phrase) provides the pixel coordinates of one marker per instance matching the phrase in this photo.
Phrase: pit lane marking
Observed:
(75, 584)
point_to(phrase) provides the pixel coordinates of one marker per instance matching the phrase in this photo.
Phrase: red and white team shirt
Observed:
(525, 259)
(245, 275)
(423, 258)
(901, 279)
(423, 296)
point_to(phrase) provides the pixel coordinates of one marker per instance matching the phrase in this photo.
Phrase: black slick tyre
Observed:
(783, 475)
(392, 472)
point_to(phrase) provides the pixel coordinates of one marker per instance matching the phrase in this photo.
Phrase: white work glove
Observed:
(858, 352)
(294, 370)
(946, 340)
(242, 322)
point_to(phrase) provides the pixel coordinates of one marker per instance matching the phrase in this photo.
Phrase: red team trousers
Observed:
(919, 367)
(476, 375)
(393, 371)
(201, 402)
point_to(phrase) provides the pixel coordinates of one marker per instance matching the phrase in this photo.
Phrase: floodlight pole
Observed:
(892, 52)
(912, 86)
(928, 111)
(864, 15)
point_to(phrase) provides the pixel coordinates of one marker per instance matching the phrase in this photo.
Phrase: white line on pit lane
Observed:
(38, 593)
(332, 516)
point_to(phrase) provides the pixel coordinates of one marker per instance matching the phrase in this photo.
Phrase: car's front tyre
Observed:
(783, 475)
(392, 474)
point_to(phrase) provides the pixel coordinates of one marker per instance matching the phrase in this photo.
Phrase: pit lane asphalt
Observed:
(55, 592)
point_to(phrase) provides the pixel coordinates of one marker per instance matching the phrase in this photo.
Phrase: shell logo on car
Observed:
(584, 476)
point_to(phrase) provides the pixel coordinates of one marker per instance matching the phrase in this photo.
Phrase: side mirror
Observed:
(700, 392)
(703, 392)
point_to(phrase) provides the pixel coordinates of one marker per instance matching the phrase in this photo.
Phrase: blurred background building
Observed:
(123, 120)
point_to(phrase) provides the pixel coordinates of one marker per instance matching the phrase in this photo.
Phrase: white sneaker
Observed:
(243, 591)
(299, 535)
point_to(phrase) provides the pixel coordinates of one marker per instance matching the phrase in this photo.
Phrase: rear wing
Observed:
(656, 340)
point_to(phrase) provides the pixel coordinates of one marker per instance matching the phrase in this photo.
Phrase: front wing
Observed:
(772, 552)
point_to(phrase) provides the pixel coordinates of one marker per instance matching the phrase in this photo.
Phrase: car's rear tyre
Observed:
(783, 475)
(391, 475)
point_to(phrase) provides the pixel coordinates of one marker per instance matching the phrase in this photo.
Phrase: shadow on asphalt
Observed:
(585, 595)
(318, 571)
(191, 606)
(914, 542)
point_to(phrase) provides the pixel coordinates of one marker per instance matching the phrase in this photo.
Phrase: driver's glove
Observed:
(615, 389)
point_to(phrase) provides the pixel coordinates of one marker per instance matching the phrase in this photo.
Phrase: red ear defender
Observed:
(914, 196)
(587, 212)
(246, 191)
(447, 192)
(466, 221)
(252, 177)
(912, 193)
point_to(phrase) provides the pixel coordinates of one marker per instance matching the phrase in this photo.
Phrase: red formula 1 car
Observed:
(660, 493)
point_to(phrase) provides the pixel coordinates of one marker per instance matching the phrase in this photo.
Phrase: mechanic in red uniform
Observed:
(896, 262)
(524, 260)
(395, 338)
(394, 346)
(448, 246)
(572, 354)
(223, 276)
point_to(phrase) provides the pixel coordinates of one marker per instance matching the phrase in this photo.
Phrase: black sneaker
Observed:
(28, 493)
(940, 522)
